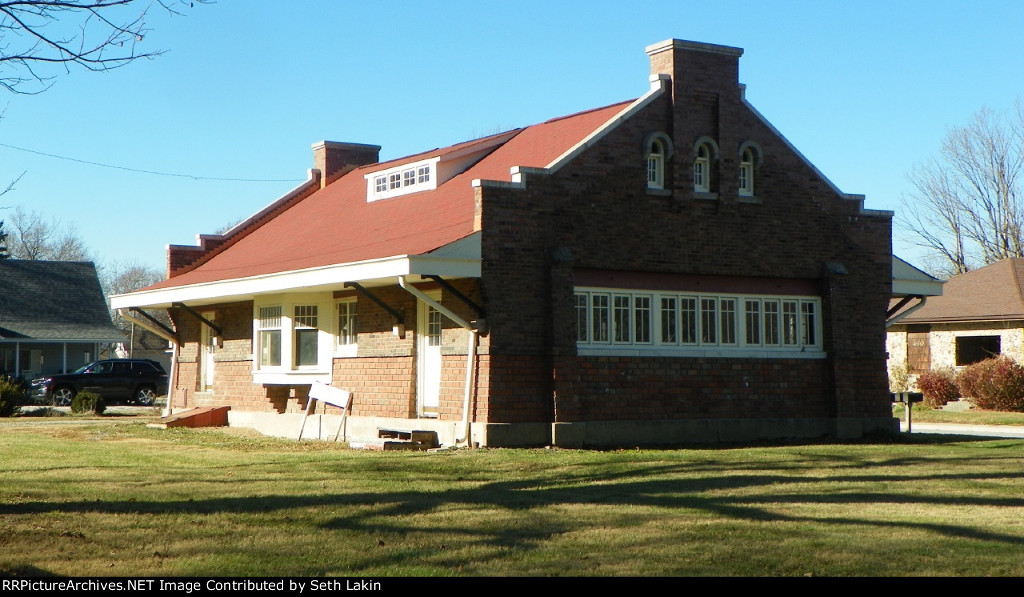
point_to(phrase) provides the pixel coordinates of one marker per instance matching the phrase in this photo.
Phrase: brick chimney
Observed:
(697, 67)
(334, 159)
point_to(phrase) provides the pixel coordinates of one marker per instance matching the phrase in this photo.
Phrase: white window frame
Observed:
(347, 312)
(746, 178)
(402, 180)
(670, 323)
(295, 311)
(656, 165)
(702, 169)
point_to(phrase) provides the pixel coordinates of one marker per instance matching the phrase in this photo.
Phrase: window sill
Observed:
(705, 196)
(285, 377)
(753, 199)
(702, 352)
(659, 192)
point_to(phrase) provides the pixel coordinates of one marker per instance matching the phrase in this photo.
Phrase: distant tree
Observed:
(31, 236)
(41, 38)
(967, 208)
(124, 277)
(4, 253)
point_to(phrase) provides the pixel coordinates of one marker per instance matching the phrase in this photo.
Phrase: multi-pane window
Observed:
(582, 317)
(600, 317)
(270, 336)
(400, 180)
(621, 318)
(752, 314)
(641, 319)
(747, 172)
(690, 321)
(306, 333)
(727, 317)
(348, 327)
(669, 320)
(702, 169)
(433, 327)
(656, 165)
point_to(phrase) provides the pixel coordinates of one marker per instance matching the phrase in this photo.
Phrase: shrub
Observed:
(12, 396)
(88, 402)
(899, 377)
(994, 384)
(938, 387)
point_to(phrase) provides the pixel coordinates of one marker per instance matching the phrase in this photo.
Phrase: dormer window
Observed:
(400, 180)
(657, 151)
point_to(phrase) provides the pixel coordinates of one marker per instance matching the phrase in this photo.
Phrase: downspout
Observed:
(897, 318)
(470, 357)
(171, 381)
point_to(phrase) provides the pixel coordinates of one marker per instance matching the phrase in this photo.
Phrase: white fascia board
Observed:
(785, 141)
(331, 277)
(658, 84)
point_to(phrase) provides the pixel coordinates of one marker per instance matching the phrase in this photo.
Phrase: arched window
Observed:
(747, 172)
(705, 158)
(657, 151)
(702, 169)
(750, 159)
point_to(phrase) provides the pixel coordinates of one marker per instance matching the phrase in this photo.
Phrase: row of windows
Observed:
(401, 180)
(705, 155)
(303, 329)
(405, 178)
(657, 319)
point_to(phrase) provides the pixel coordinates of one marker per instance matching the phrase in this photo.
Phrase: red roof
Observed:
(337, 225)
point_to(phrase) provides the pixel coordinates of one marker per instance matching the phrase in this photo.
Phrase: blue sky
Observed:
(864, 89)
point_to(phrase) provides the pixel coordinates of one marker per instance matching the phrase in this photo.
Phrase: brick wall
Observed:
(596, 213)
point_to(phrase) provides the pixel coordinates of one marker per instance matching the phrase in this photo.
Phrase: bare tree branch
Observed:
(966, 206)
(31, 236)
(38, 35)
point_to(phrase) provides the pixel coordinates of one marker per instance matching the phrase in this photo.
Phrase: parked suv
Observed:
(140, 380)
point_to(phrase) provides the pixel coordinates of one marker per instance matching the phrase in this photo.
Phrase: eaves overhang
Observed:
(375, 272)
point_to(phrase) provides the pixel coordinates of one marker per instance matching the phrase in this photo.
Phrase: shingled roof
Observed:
(300, 238)
(53, 301)
(991, 293)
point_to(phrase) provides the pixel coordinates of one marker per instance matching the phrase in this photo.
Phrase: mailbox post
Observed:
(908, 399)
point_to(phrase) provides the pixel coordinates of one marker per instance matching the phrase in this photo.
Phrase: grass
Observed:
(114, 498)
(924, 414)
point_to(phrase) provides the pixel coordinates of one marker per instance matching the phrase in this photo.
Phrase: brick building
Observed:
(663, 270)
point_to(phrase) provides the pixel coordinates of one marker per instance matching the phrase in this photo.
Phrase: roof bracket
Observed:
(444, 284)
(171, 334)
(196, 314)
(399, 318)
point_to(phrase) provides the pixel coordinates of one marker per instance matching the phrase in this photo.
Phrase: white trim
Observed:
(329, 277)
(659, 84)
(403, 172)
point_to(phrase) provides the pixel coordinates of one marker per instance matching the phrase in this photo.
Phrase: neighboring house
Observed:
(979, 315)
(53, 317)
(662, 270)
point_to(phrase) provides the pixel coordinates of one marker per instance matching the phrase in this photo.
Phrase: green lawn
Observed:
(115, 498)
(955, 414)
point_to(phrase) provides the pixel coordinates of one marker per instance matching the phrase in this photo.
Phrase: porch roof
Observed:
(460, 259)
